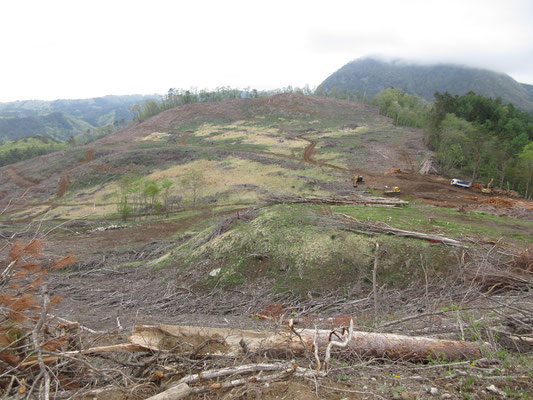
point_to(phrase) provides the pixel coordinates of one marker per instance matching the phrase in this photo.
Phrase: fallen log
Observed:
(364, 344)
(338, 200)
(352, 223)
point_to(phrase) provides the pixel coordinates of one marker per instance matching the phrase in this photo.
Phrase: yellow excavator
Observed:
(357, 179)
(487, 189)
(391, 191)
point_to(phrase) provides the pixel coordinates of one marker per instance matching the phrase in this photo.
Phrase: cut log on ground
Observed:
(363, 344)
(361, 200)
(350, 223)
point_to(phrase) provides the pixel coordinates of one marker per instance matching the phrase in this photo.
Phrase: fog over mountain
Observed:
(371, 75)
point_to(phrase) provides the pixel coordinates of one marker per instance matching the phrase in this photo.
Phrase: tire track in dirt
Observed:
(64, 182)
(19, 179)
(308, 152)
(184, 138)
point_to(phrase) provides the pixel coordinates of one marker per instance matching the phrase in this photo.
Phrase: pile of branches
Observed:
(495, 270)
(45, 357)
(225, 224)
(42, 356)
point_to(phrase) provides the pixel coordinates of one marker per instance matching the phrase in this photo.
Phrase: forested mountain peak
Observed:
(370, 76)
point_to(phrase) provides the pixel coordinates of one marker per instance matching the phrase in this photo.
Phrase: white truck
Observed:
(458, 182)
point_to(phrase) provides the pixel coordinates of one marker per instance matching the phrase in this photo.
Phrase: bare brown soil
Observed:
(63, 185)
(184, 138)
(310, 150)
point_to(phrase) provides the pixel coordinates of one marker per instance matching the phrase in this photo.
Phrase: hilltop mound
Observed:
(370, 76)
(278, 106)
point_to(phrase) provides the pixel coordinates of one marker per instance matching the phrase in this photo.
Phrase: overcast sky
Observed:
(86, 48)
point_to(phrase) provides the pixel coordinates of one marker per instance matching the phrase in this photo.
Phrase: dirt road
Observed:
(19, 179)
(310, 149)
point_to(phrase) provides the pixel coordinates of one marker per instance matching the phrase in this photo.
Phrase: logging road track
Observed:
(308, 152)
(184, 138)
(18, 178)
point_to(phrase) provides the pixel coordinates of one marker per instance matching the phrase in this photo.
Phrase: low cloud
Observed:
(341, 42)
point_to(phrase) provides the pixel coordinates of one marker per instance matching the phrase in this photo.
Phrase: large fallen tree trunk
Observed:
(362, 200)
(350, 223)
(234, 343)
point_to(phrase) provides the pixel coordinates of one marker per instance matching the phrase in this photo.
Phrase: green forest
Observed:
(13, 151)
(369, 76)
(483, 138)
(62, 119)
(475, 137)
(22, 149)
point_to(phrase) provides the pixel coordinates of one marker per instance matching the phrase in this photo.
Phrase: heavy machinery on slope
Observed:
(487, 189)
(391, 191)
(357, 179)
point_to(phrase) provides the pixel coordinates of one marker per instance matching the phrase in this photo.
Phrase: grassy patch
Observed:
(445, 221)
(92, 178)
(246, 136)
(156, 137)
(284, 246)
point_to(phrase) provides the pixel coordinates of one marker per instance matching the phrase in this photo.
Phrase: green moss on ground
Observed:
(285, 248)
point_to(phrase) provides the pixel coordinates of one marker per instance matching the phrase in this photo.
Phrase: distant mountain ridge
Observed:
(370, 76)
(63, 118)
(56, 125)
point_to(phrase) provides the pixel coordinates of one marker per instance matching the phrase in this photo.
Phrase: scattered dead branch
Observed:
(492, 274)
(225, 224)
